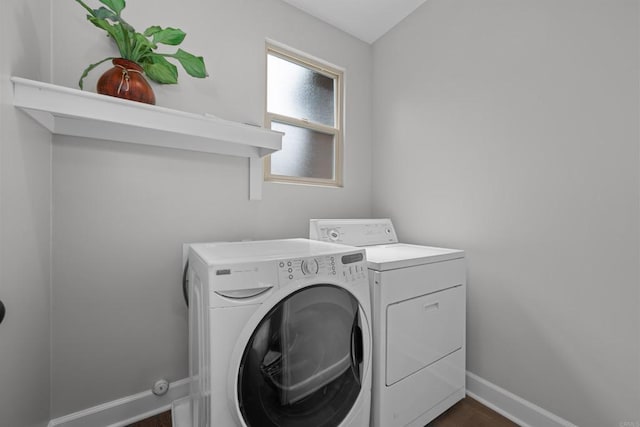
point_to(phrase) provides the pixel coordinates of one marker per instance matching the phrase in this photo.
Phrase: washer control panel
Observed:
(354, 232)
(346, 267)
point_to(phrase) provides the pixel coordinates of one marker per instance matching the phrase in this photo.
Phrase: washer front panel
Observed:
(338, 320)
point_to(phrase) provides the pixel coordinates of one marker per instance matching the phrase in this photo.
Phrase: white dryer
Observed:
(418, 307)
(279, 334)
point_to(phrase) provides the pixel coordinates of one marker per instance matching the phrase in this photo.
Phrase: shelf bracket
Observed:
(255, 178)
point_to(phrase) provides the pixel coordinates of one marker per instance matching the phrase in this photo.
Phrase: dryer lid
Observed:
(380, 241)
(401, 255)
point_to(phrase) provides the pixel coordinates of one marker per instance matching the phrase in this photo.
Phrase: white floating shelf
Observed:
(73, 112)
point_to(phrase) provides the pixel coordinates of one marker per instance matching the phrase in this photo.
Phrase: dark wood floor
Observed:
(466, 413)
(471, 413)
(160, 420)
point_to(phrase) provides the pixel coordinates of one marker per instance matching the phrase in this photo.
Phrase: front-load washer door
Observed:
(303, 363)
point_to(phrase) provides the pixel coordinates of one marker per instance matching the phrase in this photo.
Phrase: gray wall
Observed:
(25, 231)
(122, 212)
(510, 129)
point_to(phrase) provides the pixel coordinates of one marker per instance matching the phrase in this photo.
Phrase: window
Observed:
(304, 100)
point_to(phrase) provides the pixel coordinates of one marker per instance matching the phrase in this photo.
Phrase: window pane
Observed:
(305, 153)
(296, 91)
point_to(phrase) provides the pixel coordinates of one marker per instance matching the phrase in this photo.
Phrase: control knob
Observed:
(310, 266)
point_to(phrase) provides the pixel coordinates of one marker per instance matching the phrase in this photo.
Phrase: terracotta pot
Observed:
(126, 80)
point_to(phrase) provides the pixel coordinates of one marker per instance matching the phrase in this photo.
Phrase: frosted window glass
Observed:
(305, 153)
(296, 91)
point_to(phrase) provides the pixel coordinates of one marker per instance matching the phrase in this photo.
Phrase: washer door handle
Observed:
(356, 347)
(243, 293)
(2, 311)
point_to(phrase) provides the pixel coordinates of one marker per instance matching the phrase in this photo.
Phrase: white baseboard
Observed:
(130, 409)
(518, 410)
(125, 411)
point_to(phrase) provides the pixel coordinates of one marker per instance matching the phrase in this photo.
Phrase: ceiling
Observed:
(364, 19)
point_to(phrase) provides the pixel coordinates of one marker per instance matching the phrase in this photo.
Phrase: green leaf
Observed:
(126, 25)
(88, 69)
(104, 13)
(87, 8)
(115, 31)
(141, 48)
(114, 16)
(103, 24)
(144, 42)
(160, 70)
(152, 30)
(193, 65)
(169, 36)
(115, 5)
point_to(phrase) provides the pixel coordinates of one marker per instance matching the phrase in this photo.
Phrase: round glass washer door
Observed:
(302, 366)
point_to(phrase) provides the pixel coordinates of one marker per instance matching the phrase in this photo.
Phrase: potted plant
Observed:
(138, 55)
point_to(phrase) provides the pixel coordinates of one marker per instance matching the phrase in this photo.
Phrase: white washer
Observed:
(418, 306)
(279, 334)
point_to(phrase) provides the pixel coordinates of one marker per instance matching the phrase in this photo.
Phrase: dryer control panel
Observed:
(346, 267)
(354, 232)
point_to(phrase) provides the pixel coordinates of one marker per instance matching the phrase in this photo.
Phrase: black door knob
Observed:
(2, 311)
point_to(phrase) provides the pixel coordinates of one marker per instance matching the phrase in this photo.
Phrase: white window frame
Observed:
(330, 71)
